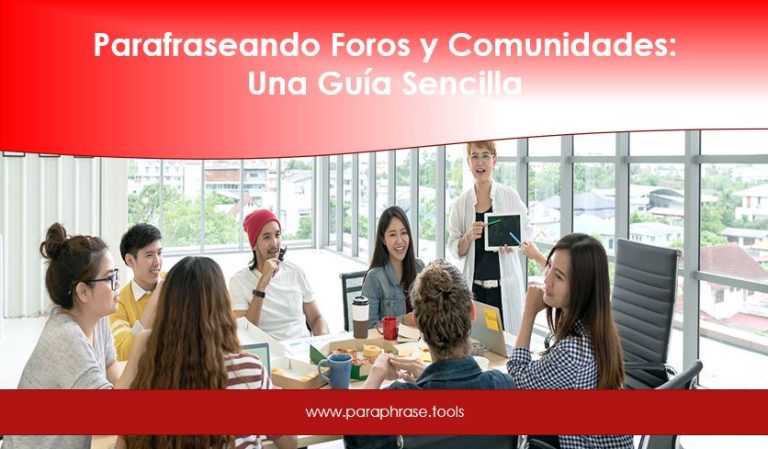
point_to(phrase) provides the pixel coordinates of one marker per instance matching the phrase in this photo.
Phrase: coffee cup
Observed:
(389, 324)
(339, 370)
(360, 317)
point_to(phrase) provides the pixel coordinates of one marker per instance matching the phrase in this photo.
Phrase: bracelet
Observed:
(259, 293)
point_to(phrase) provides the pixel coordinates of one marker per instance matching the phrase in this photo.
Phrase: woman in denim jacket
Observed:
(393, 269)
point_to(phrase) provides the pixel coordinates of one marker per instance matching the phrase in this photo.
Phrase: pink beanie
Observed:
(255, 221)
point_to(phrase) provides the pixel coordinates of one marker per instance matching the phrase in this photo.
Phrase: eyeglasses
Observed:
(114, 280)
(484, 156)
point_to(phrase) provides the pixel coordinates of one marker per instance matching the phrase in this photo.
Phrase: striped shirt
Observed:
(246, 372)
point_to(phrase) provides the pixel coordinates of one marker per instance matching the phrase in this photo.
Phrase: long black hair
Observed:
(381, 255)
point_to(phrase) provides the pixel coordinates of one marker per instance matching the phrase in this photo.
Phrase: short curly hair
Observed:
(442, 303)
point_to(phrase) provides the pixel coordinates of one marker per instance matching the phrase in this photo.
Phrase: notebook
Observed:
(261, 350)
(488, 329)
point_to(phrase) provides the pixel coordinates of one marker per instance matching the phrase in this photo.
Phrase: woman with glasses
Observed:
(193, 345)
(75, 349)
(496, 278)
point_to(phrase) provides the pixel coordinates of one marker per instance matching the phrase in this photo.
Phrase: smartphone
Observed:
(281, 253)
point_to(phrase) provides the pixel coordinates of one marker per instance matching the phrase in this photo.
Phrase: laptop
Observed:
(488, 329)
(261, 350)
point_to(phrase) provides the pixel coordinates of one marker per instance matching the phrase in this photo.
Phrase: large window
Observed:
(643, 186)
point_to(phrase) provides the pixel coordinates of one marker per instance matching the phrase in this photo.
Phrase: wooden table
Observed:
(496, 362)
(109, 441)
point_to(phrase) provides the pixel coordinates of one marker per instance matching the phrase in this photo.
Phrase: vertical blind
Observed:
(36, 191)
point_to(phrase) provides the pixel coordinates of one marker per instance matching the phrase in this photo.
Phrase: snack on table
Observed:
(371, 351)
(351, 351)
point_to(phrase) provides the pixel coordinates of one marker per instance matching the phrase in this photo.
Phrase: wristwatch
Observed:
(259, 293)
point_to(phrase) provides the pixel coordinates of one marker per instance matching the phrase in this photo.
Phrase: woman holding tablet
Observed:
(496, 277)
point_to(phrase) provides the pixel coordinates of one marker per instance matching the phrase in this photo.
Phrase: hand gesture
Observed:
(384, 367)
(411, 367)
(530, 249)
(474, 231)
(534, 300)
(270, 268)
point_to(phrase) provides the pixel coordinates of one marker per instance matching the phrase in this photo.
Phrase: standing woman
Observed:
(393, 269)
(496, 278)
(75, 349)
(586, 353)
(193, 345)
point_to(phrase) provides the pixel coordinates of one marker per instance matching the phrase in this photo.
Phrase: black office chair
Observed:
(643, 301)
(430, 442)
(459, 441)
(351, 286)
(682, 381)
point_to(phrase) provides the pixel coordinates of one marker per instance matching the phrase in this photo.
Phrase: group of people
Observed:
(178, 330)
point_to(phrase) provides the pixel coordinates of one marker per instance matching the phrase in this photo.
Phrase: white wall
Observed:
(34, 193)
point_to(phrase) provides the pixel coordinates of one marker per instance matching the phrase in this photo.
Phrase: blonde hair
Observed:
(489, 145)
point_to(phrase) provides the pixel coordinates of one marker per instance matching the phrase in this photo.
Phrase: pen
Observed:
(494, 222)
(515, 238)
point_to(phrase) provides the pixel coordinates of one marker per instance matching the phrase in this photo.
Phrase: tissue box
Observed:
(359, 372)
(293, 374)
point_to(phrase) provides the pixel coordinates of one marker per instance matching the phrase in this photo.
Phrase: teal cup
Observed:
(339, 370)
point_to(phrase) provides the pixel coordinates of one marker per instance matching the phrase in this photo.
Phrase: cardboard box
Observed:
(359, 372)
(293, 374)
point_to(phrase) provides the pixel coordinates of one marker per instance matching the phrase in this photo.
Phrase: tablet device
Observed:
(500, 230)
(261, 350)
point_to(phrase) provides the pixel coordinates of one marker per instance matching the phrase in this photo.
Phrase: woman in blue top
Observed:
(586, 353)
(393, 269)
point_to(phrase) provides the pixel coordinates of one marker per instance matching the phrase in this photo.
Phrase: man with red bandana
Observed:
(273, 294)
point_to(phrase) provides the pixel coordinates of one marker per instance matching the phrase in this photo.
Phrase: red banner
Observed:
(328, 412)
(182, 79)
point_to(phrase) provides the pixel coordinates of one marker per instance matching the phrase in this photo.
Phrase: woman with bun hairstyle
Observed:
(393, 269)
(586, 353)
(75, 349)
(193, 345)
(442, 305)
(443, 309)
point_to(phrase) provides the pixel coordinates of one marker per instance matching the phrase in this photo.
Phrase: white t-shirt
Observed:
(282, 314)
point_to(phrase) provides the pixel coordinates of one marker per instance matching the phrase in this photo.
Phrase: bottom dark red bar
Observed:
(382, 412)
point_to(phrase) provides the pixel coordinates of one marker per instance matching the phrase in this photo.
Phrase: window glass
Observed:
(296, 184)
(594, 208)
(222, 204)
(427, 203)
(734, 142)
(544, 200)
(594, 144)
(657, 143)
(656, 204)
(544, 146)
